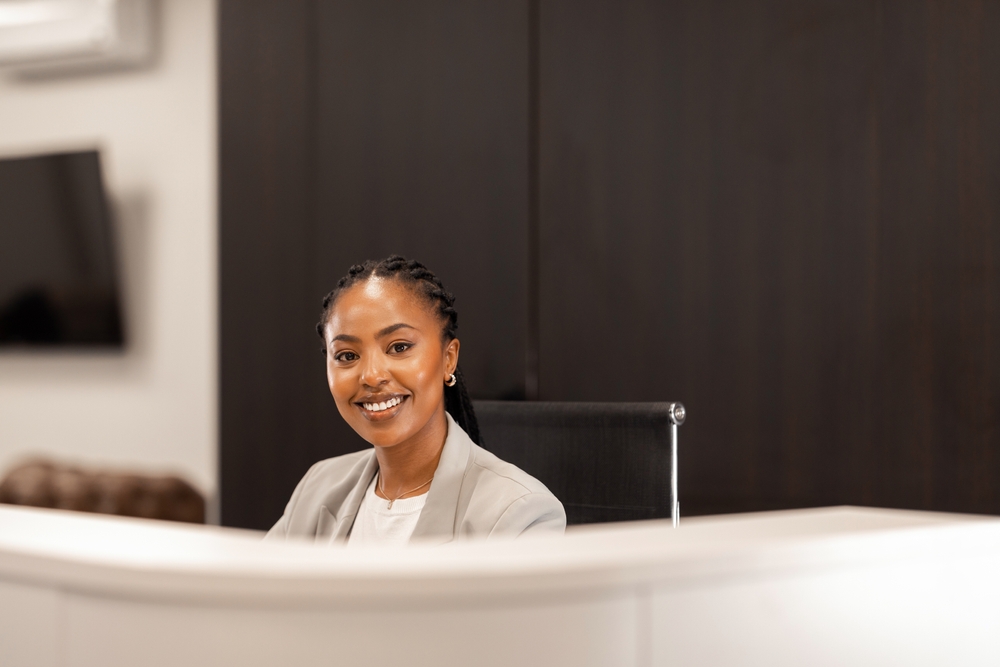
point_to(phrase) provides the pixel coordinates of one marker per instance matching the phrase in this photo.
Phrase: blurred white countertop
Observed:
(832, 586)
(139, 557)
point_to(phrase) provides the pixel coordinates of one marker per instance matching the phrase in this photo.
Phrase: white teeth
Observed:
(385, 405)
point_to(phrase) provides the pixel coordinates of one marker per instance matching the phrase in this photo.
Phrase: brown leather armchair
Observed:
(47, 484)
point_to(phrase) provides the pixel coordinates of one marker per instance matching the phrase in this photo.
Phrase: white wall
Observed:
(153, 407)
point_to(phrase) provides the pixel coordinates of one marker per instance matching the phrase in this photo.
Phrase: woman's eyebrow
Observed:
(346, 338)
(392, 328)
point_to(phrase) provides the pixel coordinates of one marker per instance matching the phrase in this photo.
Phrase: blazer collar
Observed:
(436, 524)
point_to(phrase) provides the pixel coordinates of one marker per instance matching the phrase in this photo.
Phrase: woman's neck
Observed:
(409, 464)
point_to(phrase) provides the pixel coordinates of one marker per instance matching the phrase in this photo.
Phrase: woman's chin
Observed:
(379, 427)
(389, 427)
(382, 432)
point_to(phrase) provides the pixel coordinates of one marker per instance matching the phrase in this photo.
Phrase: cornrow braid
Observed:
(423, 280)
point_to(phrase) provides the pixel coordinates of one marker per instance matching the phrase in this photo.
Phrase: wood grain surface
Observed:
(783, 214)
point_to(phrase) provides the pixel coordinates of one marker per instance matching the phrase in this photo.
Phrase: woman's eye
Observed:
(399, 348)
(345, 356)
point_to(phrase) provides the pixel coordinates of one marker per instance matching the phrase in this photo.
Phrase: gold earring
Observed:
(450, 382)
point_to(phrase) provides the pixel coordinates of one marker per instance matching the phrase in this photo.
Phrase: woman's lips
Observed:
(374, 411)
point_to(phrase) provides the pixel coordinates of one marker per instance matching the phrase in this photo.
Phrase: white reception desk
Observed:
(839, 586)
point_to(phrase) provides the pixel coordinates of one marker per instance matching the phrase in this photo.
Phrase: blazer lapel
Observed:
(335, 528)
(436, 524)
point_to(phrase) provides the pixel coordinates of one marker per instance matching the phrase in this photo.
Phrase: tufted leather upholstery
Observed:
(48, 484)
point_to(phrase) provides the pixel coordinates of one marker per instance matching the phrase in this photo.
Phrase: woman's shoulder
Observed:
(325, 485)
(514, 501)
(489, 466)
(337, 468)
(492, 466)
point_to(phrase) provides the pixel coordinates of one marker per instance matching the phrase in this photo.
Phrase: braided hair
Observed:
(425, 283)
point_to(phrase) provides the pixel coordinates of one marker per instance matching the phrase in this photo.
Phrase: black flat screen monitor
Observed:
(58, 284)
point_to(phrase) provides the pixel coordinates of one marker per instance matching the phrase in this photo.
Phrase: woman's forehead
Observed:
(370, 306)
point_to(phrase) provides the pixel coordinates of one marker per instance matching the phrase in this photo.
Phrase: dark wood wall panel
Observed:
(785, 215)
(424, 152)
(352, 130)
(267, 347)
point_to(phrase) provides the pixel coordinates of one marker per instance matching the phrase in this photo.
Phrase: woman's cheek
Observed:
(422, 375)
(341, 385)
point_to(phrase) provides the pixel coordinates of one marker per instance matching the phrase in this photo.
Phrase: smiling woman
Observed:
(389, 333)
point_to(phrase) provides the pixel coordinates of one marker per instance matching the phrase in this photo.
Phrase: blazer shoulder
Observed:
(501, 473)
(515, 502)
(335, 469)
(326, 483)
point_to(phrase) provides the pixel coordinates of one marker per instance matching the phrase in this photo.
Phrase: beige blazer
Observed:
(474, 495)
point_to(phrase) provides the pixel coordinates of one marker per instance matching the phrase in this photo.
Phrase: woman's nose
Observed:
(374, 373)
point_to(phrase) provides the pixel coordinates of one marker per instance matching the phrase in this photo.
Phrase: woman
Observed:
(392, 365)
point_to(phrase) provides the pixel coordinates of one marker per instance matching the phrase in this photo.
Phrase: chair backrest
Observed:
(604, 461)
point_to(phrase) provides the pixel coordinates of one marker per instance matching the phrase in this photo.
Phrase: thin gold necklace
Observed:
(392, 500)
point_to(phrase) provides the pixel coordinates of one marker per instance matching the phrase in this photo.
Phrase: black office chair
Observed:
(604, 461)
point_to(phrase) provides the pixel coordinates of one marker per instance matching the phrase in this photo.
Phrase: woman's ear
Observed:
(451, 356)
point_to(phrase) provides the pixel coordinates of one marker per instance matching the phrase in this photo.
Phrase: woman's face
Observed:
(386, 363)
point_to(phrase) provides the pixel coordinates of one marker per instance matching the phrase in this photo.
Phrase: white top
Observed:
(381, 525)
